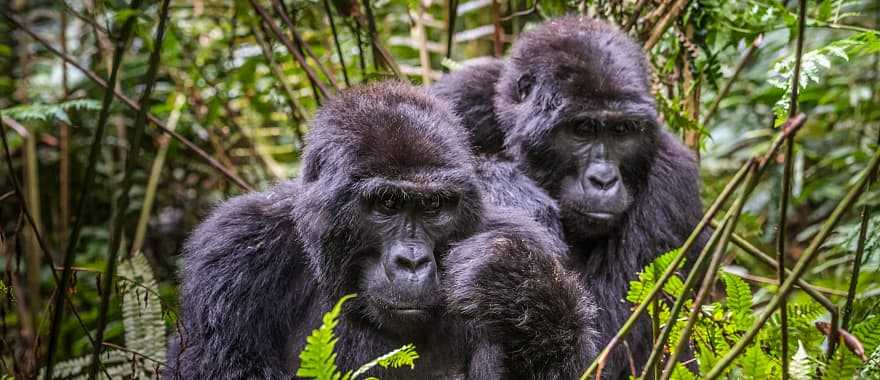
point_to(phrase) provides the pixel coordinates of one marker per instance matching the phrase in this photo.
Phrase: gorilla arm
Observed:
(241, 268)
(509, 282)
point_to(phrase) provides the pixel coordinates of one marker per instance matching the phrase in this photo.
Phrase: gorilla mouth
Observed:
(598, 215)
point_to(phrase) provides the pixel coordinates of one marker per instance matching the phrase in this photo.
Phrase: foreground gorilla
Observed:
(573, 107)
(390, 207)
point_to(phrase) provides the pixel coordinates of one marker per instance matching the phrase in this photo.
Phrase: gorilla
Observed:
(389, 206)
(572, 108)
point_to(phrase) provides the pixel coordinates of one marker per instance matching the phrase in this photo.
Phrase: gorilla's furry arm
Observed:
(509, 282)
(236, 266)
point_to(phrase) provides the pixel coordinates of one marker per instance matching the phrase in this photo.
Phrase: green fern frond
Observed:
(739, 300)
(142, 309)
(801, 366)
(639, 288)
(871, 370)
(755, 363)
(43, 112)
(403, 356)
(318, 359)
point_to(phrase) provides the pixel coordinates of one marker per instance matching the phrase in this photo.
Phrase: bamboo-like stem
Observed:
(800, 268)
(267, 20)
(131, 159)
(812, 290)
(790, 127)
(44, 246)
(865, 217)
(709, 278)
(289, 95)
(153, 181)
(452, 15)
(497, 30)
(339, 54)
(664, 24)
(301, 44)
(420, 35)
(788, 172)
(658, 286)
(747, 57)
(131, 104)
(87, 186)
(660, 342)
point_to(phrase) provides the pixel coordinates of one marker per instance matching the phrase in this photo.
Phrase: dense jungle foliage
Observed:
(227, 88)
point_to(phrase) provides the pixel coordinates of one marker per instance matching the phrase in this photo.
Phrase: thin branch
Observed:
(733, 78)
(301, 44)
(324, 92)
(41, 241)
(131, 104)
(787, 174)
(522, 13)
(87, 185)
(709, 279)
(800, 268)
(336, 42)
(451, 17)
(863, 223)
(635, 16)
(131, 158)
(664, 24)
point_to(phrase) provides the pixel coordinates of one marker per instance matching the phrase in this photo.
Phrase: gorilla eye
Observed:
(523, 86)
(433, 204)
(387, 205)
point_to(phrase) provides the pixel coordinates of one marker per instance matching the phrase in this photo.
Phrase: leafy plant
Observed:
(318, 358)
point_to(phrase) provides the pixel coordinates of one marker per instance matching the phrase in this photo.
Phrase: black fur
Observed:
(262, 269)
(560, 73)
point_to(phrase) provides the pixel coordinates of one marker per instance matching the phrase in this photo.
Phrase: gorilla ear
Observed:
(524, 86)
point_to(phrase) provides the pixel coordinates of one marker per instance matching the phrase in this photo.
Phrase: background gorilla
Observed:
(573, 102)
(389, 207)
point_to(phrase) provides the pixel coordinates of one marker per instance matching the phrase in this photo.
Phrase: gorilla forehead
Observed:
(387, 130)
(582, 57)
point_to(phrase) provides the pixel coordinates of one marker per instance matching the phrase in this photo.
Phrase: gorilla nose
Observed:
(602, 176)
(413, 260)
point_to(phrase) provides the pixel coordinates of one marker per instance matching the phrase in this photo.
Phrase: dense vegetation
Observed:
(211, 99)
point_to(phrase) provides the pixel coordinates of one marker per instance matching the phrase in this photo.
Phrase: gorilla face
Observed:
(411, 228)
(605, 158)
(389, 185)
(582, 117)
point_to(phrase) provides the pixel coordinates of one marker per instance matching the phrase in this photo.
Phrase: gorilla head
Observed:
(582, 105)
(388, 184)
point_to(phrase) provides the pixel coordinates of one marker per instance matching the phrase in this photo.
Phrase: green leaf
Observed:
(639, 288)
(403, 356)
(755, 363)
(318, 359)
(739, 301)
(801, 366)
(871, 370)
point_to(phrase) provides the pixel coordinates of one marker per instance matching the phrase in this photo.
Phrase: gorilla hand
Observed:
(510, 283)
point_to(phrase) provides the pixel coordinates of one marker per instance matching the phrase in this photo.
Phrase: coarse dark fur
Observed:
(575, 73)
(262, 269)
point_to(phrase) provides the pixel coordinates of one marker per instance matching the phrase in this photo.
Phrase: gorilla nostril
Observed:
(411, 264)
(603, 182)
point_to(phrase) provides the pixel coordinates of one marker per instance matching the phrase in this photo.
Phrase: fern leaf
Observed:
(639, 288)
(142, 310)
(801, 366)
(755, 363)
(403, 356)
(871, 370)
(739, 301)
(317, 359)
